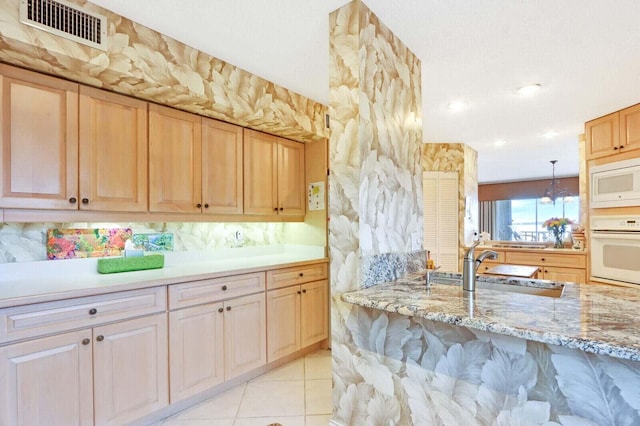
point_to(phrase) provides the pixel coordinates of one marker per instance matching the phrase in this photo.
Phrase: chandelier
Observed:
(553, 192)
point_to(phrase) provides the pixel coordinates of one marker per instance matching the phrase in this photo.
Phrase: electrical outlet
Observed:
(416, 241)
(238, 238)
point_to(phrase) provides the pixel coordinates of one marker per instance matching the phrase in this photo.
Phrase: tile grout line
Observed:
(244, 392)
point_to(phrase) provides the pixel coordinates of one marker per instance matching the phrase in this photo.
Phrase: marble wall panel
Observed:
(146, 64)
(24, 242)
(397, 370)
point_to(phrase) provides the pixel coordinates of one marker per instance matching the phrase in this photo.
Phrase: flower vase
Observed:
(558, 243)
(557, 235)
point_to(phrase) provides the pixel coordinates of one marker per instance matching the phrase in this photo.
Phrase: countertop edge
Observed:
(498, 327)
(146, 281)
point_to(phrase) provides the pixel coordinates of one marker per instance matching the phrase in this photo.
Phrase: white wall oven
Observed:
(615, 249)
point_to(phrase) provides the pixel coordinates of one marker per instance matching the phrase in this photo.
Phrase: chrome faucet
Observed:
(470, 265)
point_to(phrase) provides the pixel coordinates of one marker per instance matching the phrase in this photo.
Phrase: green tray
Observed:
(109, 265)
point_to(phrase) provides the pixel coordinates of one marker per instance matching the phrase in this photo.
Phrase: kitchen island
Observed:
(500, 357)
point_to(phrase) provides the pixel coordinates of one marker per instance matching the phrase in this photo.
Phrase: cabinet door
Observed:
(291, 183)
(196, 350)
(113, 152)
(564, 274)
(130, 369)
(314, 311)
(221, 167)
(245, 334)
(260, 173)
(283, 322)
(440, 209)
(630, 128)
(38, 141)
(602, 136)
(47, 381)
(175, 149)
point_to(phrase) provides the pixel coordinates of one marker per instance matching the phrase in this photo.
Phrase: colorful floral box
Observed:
(79, 243)
(161, 241)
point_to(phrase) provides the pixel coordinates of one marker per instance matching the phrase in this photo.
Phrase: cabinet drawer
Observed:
(215, 289)
(27, 321)
(488, 264)
(500, 253)
(550, 259)
(284, 277)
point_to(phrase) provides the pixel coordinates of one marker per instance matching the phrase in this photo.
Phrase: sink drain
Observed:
(274, 424)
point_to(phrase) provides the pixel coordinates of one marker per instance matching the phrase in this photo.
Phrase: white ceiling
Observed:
(586, 55)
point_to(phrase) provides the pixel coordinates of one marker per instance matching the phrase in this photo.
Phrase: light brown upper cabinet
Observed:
(195, 164)
(113, 152)
(39, 141)
(273, 175)
(613, 133)
(630, 128)
(70, 147)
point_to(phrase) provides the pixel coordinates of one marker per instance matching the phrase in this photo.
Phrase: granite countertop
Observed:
(43, 281)
(596, 318)
(535, 247)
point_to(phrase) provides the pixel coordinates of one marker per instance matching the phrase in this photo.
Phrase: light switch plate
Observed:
(416, 241)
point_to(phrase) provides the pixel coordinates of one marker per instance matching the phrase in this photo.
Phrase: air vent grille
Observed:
(65, 20)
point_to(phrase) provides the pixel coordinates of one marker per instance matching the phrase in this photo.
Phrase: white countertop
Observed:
(32, 282)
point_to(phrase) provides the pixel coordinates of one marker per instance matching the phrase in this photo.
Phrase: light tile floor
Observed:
(296, 394)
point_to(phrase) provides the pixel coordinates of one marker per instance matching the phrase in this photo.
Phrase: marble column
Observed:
(375, 181)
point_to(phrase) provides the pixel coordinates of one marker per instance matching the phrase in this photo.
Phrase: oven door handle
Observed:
(620, 235)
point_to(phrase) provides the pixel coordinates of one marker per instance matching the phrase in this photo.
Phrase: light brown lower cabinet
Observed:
(47, 381)
(216, 342)
(297, 316)
(115, 373)
(562, 274)
(196, 349)
(566, 266)
(130, 369)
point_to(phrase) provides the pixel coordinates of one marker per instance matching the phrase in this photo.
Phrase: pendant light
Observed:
(552, 192)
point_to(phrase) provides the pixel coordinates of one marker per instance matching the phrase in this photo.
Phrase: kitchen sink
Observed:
(551, 291)
(547, 290)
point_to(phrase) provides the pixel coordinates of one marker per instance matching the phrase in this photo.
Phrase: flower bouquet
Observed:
(557, 226)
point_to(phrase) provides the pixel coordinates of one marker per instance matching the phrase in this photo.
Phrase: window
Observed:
(521, 220)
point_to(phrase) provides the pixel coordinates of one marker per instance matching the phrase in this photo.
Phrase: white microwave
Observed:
(616, 184)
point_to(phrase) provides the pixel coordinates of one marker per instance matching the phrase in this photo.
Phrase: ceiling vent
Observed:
(65, 20)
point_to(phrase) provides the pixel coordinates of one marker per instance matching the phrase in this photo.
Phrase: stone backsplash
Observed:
(24, 242)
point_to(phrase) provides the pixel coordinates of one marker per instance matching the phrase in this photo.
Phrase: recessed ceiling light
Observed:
(456, 106)
(550, 134)
(529, 89)
(499, 142)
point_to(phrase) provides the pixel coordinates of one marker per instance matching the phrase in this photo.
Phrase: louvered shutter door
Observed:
(440, 206)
